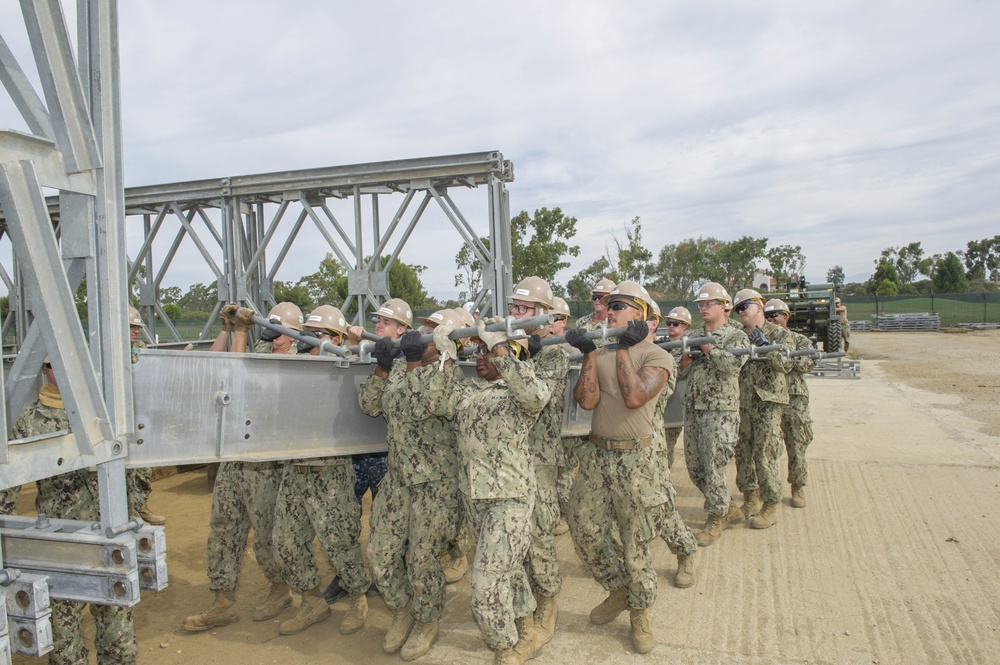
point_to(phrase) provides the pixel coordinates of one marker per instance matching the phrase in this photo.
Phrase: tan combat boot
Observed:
(612, 606)
(357, 615)
(507, 657)
(798, 496)
(456, 569)
(278, 598)
(313, 609)
(420, 641)
(399, 629)
(766, 518)
(546, 614)
(751, 504)
(527, 646)
(734, 516)
(149, 517)
(685, 571)
(642, 634)
(714, 526)
(221, 613)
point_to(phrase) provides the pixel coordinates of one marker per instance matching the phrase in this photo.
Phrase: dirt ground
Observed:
(894, 560)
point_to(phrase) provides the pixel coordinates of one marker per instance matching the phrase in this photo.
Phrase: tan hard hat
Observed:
(560, 307)
(288, 313)
(776, 305)
(445, 317)
(533, 289)
(398, 310)
(744, 295)
(629, 290)
(605, 285)
(713, 291)
(133, 316)
(656, 310)
(328, 318)
(680, 314)
(468, 320)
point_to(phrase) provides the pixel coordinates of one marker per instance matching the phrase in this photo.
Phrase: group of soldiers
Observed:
(480, 464)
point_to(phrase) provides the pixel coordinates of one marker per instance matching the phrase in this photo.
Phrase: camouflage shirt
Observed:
(422, 447)
(587, 322)
(801, 365)
(659, 441)
(713, 381)
(551, 366)
(39, 419)
(493, 420)
(766, 379)
(137, 344)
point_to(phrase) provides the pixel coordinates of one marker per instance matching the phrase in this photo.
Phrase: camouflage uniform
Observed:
(370, 468)
(545, 443)
(8, 500)
(74, 496)
(573, 447)
(244, 497)
(138, 482)
(763, 398)
(418, 509)
(796, 424)
(711, 414)
(623, 490)
(672, 434)
(497, 480)
(666, 520)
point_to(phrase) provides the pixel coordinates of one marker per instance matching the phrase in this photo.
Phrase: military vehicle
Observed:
(813, 311)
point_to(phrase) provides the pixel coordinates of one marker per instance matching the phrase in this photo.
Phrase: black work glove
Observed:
(269, 335)
(635, 332)
(578, 337)
(411, 346)
(757, 337)
(383, 353)
(534, 345)
(305, 347)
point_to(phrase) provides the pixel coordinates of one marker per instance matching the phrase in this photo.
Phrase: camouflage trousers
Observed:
(612, 509)
(316, 502)
(569, 462)
(709, 443)
(797, 430)
(672, 434)
(500, 589)
(244, 498)
(667, 521)
(759, 448)
(369, 469)
(114, 640)
(73, 496)
(410, 528)
(462, 542)
(8, 500)
(542, 564)
(139, 484)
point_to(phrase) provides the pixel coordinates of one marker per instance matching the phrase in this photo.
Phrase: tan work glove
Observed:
(227, 314)
(242, 322)
(445, 346)
(491, 339)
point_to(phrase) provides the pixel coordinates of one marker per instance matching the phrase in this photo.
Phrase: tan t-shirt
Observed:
(612, 419)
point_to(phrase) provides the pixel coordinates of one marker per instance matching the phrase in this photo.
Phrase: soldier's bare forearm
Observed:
(637, 387)
(587, 391)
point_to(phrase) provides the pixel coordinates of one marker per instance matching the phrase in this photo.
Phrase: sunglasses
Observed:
(709, 303)
(520, 309)
(561, 318)
(674, 324)
(619, 305)
(743, 307)
(596, 296)
(773, 315)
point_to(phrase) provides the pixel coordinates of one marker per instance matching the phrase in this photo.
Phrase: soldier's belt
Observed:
(619, 445)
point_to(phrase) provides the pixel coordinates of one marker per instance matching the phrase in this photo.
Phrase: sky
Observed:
(843, 127)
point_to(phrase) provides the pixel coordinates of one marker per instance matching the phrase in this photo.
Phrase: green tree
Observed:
(835, 276)
(950, 275)
(785, 261)
(470, 268)
(887, 287)
(404, 282)
(736, 262)
(4, 307)
(629, 257)
(200, 298)
(982, 259)
(582, 283)
(885, 271)
(322, 284)
(173, 311)
(907, 260)
(296, 294)
(170, 294)
(538, 244)
(684, 266)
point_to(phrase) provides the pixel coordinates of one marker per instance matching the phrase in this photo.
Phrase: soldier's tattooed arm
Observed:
(587, 391)
(638, 387)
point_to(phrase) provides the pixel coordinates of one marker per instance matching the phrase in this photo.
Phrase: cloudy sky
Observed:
(843, 127)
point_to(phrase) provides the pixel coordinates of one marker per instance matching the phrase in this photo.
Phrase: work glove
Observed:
(491, 339)
(302, 346)
(227, 314)
(534, 345)
(383, 354)
(444, 344)
(241, 321)
(757, 337)
(635, 332)
(411, 346)
(577, 337)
